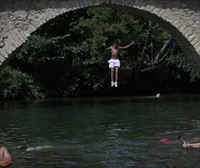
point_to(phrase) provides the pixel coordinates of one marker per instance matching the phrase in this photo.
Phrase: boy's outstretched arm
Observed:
(108, 48)
(127, 46)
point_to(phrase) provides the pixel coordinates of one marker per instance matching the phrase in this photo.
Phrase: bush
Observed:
(15, 84)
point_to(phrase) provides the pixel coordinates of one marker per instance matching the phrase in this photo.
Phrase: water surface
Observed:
(102, 132)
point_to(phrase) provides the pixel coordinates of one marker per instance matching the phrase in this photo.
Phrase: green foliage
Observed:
(107, 25)
(40, 45)
(180, 61)
(177, 59)
(15, 84)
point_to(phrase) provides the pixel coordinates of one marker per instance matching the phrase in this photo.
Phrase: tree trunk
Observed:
(144, 50)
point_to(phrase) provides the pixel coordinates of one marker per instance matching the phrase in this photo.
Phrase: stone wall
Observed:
(20, 18)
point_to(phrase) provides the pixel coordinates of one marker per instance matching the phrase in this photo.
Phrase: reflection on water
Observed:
(101, 132)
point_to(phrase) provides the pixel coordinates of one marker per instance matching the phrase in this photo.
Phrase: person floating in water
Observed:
(193, 144)
(189, 145)
(5, 157)
(114, 62)
(35, 148)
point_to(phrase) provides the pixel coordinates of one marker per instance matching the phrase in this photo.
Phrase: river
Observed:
(117, 132)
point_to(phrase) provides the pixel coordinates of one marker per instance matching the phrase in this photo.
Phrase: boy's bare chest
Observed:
(114, 52)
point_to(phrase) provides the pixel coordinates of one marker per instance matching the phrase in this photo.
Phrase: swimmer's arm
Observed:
(194, 145)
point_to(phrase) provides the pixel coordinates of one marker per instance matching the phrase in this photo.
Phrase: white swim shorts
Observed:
(114, 63)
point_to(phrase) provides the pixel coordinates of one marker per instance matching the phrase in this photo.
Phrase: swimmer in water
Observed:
(193, 144)
(189, 145)
(35, 148)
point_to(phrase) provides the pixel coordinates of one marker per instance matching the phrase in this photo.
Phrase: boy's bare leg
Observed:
(116, 76)
(112, 76)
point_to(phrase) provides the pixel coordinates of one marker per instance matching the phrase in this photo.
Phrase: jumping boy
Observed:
(114, 62)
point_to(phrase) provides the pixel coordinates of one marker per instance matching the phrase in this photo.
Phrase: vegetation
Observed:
(15, 84)
(66, 57)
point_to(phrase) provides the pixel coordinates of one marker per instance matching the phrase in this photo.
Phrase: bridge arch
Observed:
(179, 17)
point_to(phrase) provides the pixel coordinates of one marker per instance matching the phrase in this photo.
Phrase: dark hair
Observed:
(115, 46)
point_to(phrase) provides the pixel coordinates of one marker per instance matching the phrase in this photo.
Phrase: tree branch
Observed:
(150, 68)
(162, 50)
(158, 60)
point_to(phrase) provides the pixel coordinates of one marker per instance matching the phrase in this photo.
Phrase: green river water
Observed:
(102, 132)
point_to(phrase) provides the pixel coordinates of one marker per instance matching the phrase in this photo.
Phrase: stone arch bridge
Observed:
(20, 18)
